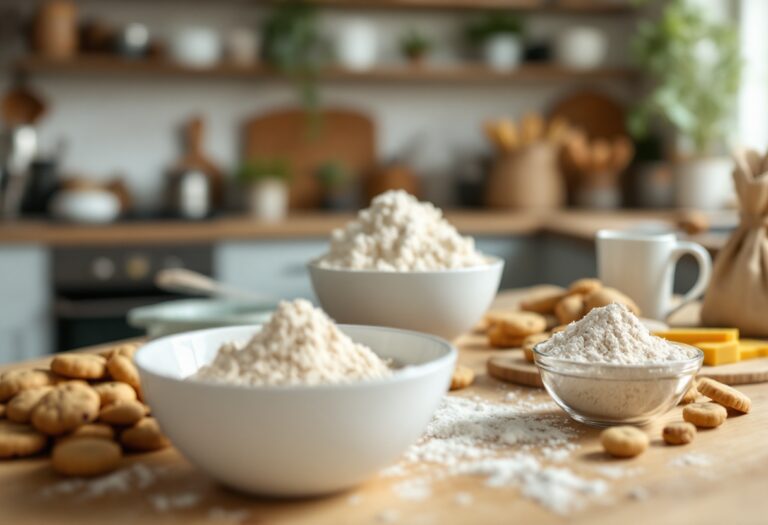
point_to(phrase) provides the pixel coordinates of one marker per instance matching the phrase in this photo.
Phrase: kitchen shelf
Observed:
(568, 6)
(465, 73)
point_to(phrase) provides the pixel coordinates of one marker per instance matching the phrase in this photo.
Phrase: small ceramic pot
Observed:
(268, 200)
(503, 52)
(196, 47)
(357, 44)
(581, 48)
(241, 46)
(704, 183)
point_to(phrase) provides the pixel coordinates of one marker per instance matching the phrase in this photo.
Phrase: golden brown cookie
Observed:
(530, 342)
(66, 407)
(14, 381)
(86, 456)
(522, 324)
(18, 440)
(462, 377)
(585, 286)
(559, 328)
(678, 433)
(499, 338)
(91, 430)
(21, 405)
(113, 391)
(705, 415)
(144, 436)
(624, 442)
(727, 396)
(690, 395)
(79, 366)
(122, 369)
(606, 296)
(123, 412)
(126, 349)
(570, 309)
(542, 302)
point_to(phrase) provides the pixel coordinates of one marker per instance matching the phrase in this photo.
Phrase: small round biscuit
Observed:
(123, 412)
(705, 415)
(542, 302)
(559, 328)
(606, 296)
(499, 338)
(530, 342)
(126, 349)
(79, 366)
(570, 309)
(521, 324)
(14, 381)
(113, 391)
(585, 286)
(462, 377)
(122, 369)
(144, 436)
(725, 395)
(678, 433)
(92, 430)
(21, 405)
(690, 395)
(86, 456)
(66, 407)
(18, 440)
(624, 442)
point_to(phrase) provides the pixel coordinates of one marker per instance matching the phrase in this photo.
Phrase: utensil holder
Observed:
(528, 178)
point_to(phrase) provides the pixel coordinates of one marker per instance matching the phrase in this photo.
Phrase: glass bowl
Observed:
(602, 395)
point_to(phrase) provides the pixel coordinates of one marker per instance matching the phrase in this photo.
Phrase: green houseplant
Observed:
(414, 46)
(266, 187)
(694, 66)
(336, 180)
(498, 36)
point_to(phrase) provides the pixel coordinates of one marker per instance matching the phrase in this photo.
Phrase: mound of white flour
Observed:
(612, 334)
(299, 345)
(399, 233)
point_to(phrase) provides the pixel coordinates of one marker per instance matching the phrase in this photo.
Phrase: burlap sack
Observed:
(738, 293)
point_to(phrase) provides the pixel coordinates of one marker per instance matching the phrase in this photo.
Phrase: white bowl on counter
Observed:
(294, 440)
(446, 303)
(91, 206)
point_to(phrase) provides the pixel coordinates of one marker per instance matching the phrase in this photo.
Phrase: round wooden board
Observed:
(514, 369)
(745, 372)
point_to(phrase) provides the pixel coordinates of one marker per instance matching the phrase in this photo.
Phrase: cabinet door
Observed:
(25, 320)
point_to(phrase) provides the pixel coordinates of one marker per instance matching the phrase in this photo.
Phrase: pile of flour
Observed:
(612, 334)
(399, 233)
(299, 345)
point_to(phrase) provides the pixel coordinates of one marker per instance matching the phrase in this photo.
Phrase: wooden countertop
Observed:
(577, 224)
(730, 488)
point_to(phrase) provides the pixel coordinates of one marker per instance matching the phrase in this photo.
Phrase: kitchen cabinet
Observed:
(25, 303)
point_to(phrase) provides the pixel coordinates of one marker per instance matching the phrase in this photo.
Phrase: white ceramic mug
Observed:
(642, 265)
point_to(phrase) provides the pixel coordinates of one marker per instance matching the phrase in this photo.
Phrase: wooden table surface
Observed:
(733, 488)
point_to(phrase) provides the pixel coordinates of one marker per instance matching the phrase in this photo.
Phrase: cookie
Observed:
(727, 396)
(522, 324)
(705, 415)
(678, 433)
(124, 412)
(559, 328)
(113, 391)
(624, 442)
(585, 286)
(144, 436)
(126, 350)
(690, 395)
(86, 456)
(19, 440)
(606, 296)
(122, 369)
(79, 366)
(21, 405)
(65, 408)
(570, 309)
(530, 342)
(541, 302)
(499, 338)
(462, 377)
(90, 430)
(14, 381)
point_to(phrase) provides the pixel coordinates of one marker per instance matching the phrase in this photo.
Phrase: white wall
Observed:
(128, 124)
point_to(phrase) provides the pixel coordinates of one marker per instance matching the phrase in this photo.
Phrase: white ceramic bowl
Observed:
(294, 441)
(86, 206)
(445, 303)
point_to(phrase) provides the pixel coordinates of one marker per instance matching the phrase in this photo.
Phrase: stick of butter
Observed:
(694, 336)
(720, 353)
(752, 348)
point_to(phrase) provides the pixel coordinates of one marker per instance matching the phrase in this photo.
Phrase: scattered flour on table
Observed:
(299, 344)
(138, 476)
(612, 334)
(691, 459)
(399, 233)
(222, 515)
(170, 502)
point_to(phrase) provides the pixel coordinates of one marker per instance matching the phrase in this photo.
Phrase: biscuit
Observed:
(126, 349)
(65, 408)
(559, 328)
(705, 415)
(541, 302)
(18, 440)
(122, 369)
(14, 381)
(21, 405)
(570, 309)
(113, 391)
(725, 395)
(678, 433)
(144, 436)
(690, 395)
(86, 456)
(462, 377)
(125, 412)
(624, 442)
(92, 430)
(522, 324)
(530, 342)
(606, 296)
(499, 338)
(585, 286)
(79, 366)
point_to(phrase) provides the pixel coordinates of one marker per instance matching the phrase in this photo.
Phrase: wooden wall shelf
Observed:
(570, 6)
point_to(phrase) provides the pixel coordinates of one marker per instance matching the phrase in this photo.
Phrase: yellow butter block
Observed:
(694, 336)
(720, 353)
(753, 348)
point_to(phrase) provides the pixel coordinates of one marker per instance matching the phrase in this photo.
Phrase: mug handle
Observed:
(704, 261)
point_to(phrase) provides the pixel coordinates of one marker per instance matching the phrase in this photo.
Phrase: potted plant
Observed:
(414, 46)
(335, 179)
(266, 184)
(695, 67)
(498, 36)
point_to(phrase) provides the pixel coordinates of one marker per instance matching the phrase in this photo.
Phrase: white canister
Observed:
(581, 47)
(268, 200)
(503, 52)
(242, 46)
(196, 47)
(356, 44)
(704, 183)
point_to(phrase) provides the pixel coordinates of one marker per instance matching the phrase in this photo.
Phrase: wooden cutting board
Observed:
(342, 135)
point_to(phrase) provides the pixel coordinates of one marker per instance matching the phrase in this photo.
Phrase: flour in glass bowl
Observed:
(399, 233)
